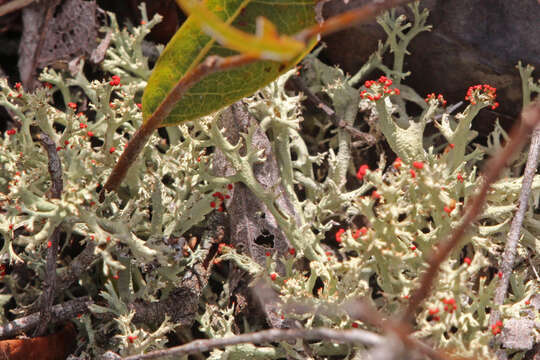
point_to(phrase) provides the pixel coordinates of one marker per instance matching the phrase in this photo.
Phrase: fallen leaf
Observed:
(53, 347)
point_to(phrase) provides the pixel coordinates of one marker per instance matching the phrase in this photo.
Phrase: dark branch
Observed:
(268, 336)
(49, 284)
(60, 312)
(337, 121)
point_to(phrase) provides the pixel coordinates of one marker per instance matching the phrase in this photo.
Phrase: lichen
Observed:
(365, 234)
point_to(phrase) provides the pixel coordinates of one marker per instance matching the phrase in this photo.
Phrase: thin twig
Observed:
(365, 312)
(209, 66)
(268, 336)
(214, 64)
(79, 265)
(54, 165)
(47, 297)
(349, 18)
(530, 117)
(60, 312)
(14, 6)
(98, 55)
(194, 281)
(337, 121)
(533, 268)
(509, 254)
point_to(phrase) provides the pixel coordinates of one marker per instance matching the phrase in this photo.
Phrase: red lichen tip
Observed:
(221, 246)
(379, 88)
(115, 80)
(439, 98)
(273, 276)
(482, 93)
(338, 235)
(496, 328)
(362, 231)
(433, 311)
(467, 261)
(362, 171)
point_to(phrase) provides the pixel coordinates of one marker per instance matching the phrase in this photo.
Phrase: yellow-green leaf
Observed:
(266, 44)
(190, 45)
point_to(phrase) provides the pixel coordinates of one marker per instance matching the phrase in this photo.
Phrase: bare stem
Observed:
(14, 5)
(513, 235)
(80, 264)
(349, 18)
(336, 120)
(214, 64)
(49, 287)
(60, 312)
(209, 66)
(267, 336)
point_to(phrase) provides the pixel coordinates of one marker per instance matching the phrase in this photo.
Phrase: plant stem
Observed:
(509, 254)
(209, 66)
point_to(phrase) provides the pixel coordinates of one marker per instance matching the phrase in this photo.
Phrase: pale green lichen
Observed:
(171, 187)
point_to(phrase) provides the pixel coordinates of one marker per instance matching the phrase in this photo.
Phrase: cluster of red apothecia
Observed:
(439, 97)
(449, 307)
(378, 89)
(356, 234)
(474, 91)
(115, 80)
(220, 198)
(416, 165)
(497, 327)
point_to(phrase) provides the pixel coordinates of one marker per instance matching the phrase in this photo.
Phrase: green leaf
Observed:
(266, 44)
(190, 45)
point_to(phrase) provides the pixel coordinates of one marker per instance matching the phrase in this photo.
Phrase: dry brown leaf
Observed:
(69, 34)
(53, 347)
